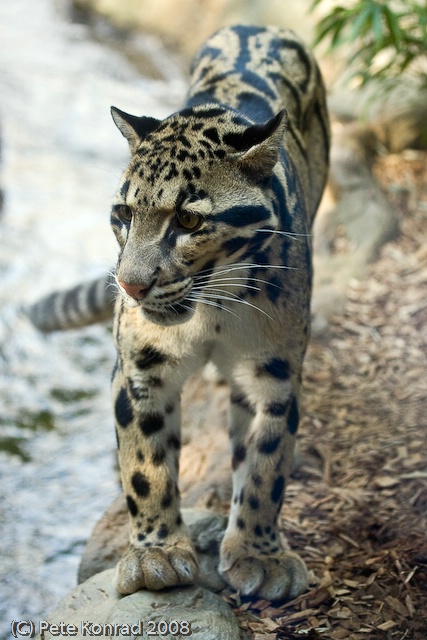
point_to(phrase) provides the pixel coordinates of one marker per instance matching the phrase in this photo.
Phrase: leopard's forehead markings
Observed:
(181, 149)
(187, 136)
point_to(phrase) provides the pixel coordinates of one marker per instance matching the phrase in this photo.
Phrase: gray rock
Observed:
(192, 611)
(107, 543)
(350, 232)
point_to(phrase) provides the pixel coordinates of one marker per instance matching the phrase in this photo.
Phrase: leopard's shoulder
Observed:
(260, 70)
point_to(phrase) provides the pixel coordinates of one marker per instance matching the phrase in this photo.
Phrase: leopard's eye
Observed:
(124, 212)
(188, 220)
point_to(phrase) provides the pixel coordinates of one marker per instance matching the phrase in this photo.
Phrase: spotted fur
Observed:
(213, 217)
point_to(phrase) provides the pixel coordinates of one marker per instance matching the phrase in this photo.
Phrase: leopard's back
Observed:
(259, 71)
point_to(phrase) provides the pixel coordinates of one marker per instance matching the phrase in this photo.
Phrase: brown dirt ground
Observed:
(357, 508)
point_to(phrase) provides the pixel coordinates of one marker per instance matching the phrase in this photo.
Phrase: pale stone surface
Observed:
(351, 227)
(96, 601)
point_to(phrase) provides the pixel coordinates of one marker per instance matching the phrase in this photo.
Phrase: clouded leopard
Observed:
(213, 217)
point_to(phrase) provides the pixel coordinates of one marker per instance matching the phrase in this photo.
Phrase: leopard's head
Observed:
(193, 199)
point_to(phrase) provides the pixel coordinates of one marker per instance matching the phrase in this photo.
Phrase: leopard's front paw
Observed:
(278, 575)
(156, 568)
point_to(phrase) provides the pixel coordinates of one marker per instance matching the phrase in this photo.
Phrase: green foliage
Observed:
(387, 37)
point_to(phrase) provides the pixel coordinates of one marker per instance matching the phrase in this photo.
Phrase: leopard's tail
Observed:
(85, 304)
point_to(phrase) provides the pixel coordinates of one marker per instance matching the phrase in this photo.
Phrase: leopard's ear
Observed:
(259, 145)
(133, 128)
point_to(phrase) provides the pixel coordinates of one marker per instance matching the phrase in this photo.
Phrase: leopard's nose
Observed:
(136, 291)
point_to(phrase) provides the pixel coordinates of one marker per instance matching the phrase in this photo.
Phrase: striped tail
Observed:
(85, 304)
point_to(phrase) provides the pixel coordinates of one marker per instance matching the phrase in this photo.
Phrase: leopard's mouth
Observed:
(168, 304)
(169, 314)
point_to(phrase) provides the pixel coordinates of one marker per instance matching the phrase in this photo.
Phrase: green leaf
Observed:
(393, 25)
(377, 25)
(361, 23)
(398, 28)
(331, 26)
(408, 58)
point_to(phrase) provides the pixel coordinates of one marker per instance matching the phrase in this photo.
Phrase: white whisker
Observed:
(234, 298)
(288, 234)
(236, 266)
(215, 293)
(113, 283)
(212, 279)
(230, 284)
(181, 304)
(248, 265)
(212, 303)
